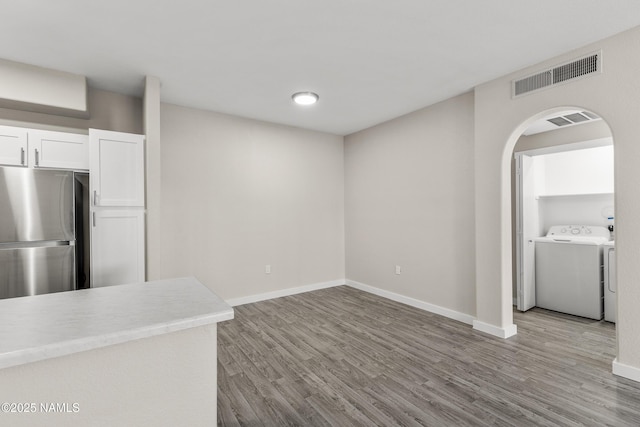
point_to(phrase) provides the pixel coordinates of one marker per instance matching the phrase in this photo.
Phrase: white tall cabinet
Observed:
(116, 166)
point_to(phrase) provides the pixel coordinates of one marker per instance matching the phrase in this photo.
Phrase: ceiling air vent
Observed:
(579, 68)
(559, 121)
(574, 118)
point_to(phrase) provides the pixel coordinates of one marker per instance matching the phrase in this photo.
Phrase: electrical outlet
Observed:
(267, 269)
(398, 269)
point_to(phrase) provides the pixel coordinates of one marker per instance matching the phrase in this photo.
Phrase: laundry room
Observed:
(564, 218)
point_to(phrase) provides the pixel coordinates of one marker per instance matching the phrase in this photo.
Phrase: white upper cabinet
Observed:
(13, 146)
(116, 168)
(58, 150)
(43, 149)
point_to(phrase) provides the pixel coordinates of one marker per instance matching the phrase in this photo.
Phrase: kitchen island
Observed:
(140, 354)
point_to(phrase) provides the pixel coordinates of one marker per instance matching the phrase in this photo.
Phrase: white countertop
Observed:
(51, 325)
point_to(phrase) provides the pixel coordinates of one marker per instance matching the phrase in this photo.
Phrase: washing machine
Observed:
(568, 265)
(609, 259)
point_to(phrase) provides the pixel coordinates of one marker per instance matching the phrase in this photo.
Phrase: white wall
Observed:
(588, 209)
(499, 120)
(409, 202)
(238, 194)
(589, 131)
(42, 89)
(108, 110)
(577, 172)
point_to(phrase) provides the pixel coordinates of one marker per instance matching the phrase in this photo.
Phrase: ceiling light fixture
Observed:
(305, 98)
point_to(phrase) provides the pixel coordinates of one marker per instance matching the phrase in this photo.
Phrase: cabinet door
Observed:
(117, 247)
(59, 150)
(13, 146)
(116, 168)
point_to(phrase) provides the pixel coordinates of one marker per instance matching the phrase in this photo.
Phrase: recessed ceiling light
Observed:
(305, 98)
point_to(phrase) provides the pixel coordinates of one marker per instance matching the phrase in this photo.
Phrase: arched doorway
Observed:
(562, 174)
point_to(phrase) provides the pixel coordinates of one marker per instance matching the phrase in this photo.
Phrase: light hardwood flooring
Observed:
(342, 357)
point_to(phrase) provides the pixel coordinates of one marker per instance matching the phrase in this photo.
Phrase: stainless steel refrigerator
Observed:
(43, 246)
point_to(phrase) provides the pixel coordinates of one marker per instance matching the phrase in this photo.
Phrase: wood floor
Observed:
(342, 357)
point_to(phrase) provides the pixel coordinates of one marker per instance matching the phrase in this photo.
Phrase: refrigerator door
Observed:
(36, 270)
(36, 205)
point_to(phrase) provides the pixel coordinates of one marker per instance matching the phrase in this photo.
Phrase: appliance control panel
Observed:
(579, 230)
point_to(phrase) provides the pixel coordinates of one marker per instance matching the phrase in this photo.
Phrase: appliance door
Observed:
(34, 270)
(568, 278)
(36, 205)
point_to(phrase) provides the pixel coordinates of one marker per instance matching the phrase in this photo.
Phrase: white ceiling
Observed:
(369, 60)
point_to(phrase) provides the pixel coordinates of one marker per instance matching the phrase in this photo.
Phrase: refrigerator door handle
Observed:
(93, 218)
(37, 244)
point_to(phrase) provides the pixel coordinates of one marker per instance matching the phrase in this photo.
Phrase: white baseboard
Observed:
(496, 331)
(284, 292)
(626, 371)
(451, 314)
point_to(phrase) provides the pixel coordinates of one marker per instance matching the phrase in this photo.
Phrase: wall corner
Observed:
(151, 121)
